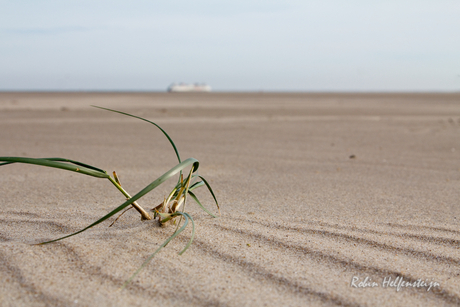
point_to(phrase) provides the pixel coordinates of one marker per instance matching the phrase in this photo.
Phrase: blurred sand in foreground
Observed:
(318, 193)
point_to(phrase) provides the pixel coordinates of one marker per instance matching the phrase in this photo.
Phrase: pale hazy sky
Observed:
(323, 45)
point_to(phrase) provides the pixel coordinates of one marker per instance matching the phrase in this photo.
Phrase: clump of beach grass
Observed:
(173, 204)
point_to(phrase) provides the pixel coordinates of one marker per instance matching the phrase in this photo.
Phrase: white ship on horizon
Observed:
(184, 87)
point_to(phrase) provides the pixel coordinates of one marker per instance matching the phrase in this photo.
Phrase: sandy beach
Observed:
(326, 200)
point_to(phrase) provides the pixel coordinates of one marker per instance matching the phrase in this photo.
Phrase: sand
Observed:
(325, 199)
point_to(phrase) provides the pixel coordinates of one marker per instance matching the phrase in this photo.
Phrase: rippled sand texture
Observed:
(315, 189)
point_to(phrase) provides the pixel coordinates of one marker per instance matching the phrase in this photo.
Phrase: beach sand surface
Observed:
(326, 200)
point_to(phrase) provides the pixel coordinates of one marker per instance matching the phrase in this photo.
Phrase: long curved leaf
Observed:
(146, 120)
(193, 232)
(210, 190)
(187, 217)
(199, 203)
(76, 163)
(56, 163)
(66, 160)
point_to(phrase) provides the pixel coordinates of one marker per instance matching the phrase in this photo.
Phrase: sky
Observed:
(238, 45)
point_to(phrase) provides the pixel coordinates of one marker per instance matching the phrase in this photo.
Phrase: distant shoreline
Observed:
(233, 92)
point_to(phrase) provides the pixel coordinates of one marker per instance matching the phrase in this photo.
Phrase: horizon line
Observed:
(235, 91)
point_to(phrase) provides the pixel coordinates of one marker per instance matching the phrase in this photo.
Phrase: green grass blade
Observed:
(76, 163)
(49, 162)
(173, 171)
(193, 233)
(210, 190)
(146, 120)
(199, 203)
(196, 185)
(163, 245)
(66, 160)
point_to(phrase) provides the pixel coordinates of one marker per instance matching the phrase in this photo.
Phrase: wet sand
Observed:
(317, 191)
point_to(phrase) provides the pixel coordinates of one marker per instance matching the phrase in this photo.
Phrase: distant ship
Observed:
(183, 87)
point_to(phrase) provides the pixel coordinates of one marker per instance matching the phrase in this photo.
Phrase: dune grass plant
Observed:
(173, 204)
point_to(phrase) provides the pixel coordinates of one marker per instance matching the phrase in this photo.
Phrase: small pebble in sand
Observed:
(352, 157)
